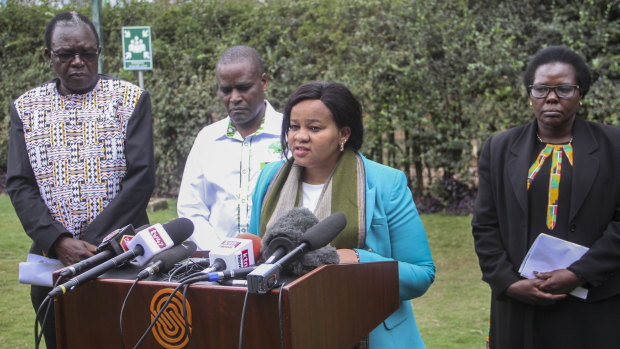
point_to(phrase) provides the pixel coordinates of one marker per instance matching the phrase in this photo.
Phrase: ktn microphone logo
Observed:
(158, 239)
(243, 259)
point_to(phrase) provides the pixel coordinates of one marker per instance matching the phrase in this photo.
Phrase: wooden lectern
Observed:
(334, 306)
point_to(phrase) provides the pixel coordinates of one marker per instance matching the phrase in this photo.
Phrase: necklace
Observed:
(541, 141)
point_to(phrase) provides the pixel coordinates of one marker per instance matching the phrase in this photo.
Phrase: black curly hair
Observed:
(561, 54)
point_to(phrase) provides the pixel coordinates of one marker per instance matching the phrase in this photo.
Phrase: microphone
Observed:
(237, 283)
(157, 238)
(232, 253)
(231, 258)
(286, 233)
(146, 243)
(112, 245)
(256, 243)
(167, 259)
(230, 274)
(312, 260)
(266, 276)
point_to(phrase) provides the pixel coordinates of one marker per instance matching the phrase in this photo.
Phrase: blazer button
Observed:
(573, 228)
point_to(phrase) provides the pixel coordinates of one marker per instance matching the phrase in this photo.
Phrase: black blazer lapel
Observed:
(586, 165)
(518, 163)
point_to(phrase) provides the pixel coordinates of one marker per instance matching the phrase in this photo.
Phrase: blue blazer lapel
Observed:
(586, 165)
(371, 195)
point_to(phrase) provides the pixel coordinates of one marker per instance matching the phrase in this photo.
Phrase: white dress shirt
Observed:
(220, 175)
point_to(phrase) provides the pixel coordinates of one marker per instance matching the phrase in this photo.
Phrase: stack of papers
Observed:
(38, 270)
(549, 253)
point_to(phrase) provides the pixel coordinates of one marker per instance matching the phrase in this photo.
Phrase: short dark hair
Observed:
(240, 53)
(559, 54)
(71, 17)
(345, 108)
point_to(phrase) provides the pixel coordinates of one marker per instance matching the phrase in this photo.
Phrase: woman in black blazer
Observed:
(558, 175)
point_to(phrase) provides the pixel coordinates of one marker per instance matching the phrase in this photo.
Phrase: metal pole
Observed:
(141, 79)
(97, 22)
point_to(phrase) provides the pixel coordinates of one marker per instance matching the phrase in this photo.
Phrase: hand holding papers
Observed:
(549, 253)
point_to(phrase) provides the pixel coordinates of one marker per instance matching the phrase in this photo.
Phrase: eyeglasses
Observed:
(562, 91)
(69, 55)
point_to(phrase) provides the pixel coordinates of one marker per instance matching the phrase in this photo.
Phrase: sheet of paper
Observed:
(38, 270)
(549, 253)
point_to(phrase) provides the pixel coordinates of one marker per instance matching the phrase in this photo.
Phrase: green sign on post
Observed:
(137, 53)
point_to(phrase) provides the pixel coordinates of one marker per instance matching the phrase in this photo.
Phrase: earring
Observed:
(580, 104)
(342, 145)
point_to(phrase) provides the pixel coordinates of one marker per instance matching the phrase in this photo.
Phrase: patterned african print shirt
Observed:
(76, 147)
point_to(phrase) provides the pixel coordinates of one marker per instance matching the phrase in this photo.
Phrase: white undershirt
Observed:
(310, 195)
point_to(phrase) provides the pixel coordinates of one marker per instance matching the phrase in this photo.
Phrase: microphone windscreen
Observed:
(325, 231)
(313, 259)
(287, 230)
(257, 243)
(173, 255)
(142, 227)
(179, 229)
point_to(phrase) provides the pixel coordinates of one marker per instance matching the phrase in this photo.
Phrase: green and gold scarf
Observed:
(345, 191)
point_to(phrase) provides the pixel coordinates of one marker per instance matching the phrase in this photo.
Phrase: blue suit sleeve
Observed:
(402, 233)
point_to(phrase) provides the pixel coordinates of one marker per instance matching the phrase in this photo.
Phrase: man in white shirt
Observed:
(227, 156)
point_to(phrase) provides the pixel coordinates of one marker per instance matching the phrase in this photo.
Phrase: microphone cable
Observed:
(280, 315)
(120, 322)
(191, 265)
(245, 302)
(281, 319)
(38, 336)
(244, 309)
(185, 317)
(203, 276)
(164, 306)
(188, 269)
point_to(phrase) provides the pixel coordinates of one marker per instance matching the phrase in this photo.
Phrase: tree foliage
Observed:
(435, 78)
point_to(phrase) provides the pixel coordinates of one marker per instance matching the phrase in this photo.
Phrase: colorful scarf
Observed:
(554, 176)
(344, 191)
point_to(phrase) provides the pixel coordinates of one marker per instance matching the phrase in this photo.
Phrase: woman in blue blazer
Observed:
(322, 129)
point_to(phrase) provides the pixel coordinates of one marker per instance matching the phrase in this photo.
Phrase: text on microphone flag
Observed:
(156, 237)
(230, 244)
(111, 235)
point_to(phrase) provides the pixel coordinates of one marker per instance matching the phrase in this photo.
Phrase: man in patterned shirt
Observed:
(81, 158)
(227, 156)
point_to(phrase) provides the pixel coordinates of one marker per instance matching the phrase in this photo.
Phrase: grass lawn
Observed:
(452, 314)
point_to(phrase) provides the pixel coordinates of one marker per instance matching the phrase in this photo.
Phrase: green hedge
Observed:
(435, 78)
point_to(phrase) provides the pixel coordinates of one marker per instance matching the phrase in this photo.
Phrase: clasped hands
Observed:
(71, 251)
(546, 288)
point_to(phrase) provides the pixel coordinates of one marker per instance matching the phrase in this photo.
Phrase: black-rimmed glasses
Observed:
(66, 56)
(562, 91)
